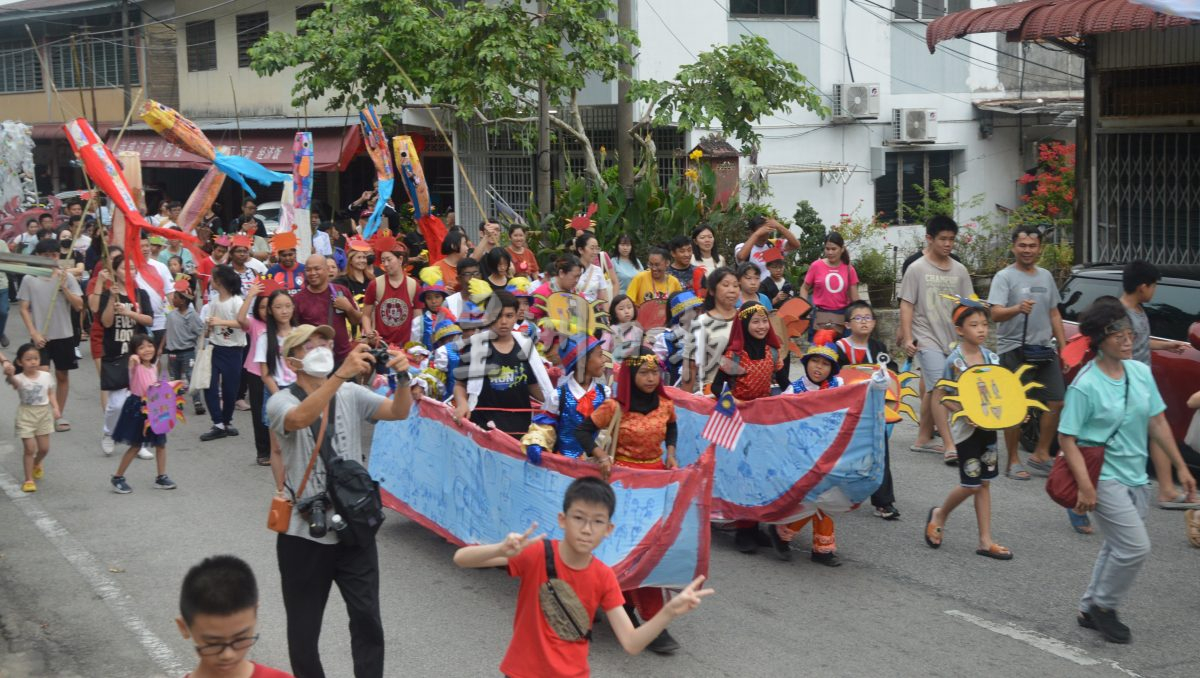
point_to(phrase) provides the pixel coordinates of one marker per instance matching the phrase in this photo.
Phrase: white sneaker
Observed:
(145, 453)
(106, 444)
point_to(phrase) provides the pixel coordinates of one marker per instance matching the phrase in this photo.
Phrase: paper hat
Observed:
(822, 351)
(431, 281)
(243, 241)
(270, 285)
(284, 240)
(683, 302)
(445, 328)
(223, 241)
(520, 287)
(158, 240)
(301, 334)
(570, 350)
(386, 243)
(358, 245)
(183, 287)
(772, 255)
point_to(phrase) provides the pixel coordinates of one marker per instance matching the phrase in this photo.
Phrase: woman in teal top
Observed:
(1114, 402)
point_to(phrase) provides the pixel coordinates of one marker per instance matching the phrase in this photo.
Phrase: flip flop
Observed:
(1038, 468)
(931, 531)
(996, 552)
(62, 425)
(930, 447)
(1080, 523)
(1179, 503)
(1193, 527)
(1017, 472)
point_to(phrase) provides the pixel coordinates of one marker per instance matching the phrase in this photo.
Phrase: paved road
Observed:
(90, 582)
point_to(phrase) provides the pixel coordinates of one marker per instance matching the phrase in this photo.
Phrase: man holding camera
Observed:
(311, 556)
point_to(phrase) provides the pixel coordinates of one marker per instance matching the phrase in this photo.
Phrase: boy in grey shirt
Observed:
(184, 328)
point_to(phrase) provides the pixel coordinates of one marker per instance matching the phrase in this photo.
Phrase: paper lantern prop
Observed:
(385, 174)
(302, 170)
(164, 406)
(992, 397)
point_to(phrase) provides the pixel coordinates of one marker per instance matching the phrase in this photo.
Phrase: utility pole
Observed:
(624, 106)
(543, 146)
(126, 57)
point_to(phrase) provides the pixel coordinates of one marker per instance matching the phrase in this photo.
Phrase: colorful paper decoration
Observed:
(992, 397)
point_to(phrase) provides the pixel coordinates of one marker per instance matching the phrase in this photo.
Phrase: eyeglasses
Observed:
(218, 648)
(583, 522)
(862, 318)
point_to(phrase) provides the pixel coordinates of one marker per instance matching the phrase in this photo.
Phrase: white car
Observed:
(269, 212)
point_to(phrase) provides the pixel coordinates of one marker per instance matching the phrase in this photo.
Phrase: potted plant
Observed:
(876, 272)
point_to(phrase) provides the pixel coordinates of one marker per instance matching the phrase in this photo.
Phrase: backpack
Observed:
(351, 489)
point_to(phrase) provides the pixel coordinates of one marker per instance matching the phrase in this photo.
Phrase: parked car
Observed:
(269, 213)
(1174, 314)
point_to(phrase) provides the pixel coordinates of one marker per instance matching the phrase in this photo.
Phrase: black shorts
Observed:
(977, 459)
(1049, 375)
(61, 352)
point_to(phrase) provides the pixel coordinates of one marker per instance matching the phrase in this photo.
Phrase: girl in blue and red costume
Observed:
(432, 296)
(751, 361)
(646, 427)
(578, 395)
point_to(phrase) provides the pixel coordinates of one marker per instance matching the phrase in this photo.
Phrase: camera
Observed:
(313, 510)
(382, 357)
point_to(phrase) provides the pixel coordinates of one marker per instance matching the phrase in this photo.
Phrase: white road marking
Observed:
(1042, 642)
(95, 575)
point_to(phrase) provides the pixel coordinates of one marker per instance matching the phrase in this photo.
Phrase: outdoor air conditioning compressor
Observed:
(915, 125)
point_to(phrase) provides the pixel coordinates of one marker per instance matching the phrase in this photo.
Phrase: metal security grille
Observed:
(1148, 197)
(19, 70)
(512, 177)
(201, 46)
(250, 28)
(93, 63)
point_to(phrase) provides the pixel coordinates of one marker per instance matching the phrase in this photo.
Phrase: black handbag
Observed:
(1035, 355)
(114, 373)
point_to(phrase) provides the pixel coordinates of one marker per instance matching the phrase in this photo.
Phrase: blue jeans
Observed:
(4, 306)
(1121, 516)
(179, 367)
(226, 379)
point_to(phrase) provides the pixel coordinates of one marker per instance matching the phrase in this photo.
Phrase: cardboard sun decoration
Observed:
(992, 397)
(568, 314)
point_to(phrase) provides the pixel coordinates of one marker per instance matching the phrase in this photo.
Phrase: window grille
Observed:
(250, 29)
(792, 9)
(512, 177)
(19, 70)
(1150, 91)
(303, 12)
(100, 63)
(896, 192)
(927, 10)
(201, 46)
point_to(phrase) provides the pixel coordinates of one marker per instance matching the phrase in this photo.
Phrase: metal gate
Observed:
(1148, 196)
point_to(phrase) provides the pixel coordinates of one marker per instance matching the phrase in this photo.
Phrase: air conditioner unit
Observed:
(915, 125)
(856, 100)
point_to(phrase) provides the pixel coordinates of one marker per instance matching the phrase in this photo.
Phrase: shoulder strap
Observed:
(320, 438)
(551, 571)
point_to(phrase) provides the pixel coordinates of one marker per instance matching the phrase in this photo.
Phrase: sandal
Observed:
(996, 552)
(1192, 516)
(62, 425)
(1017, 472)
(1080, 523)
(1179, 503)
(930, 447)
(932, 532)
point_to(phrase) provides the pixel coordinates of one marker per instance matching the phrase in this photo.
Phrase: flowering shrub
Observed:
(1052, 198)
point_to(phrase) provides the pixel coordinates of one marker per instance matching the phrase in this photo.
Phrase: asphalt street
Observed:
(90, 580)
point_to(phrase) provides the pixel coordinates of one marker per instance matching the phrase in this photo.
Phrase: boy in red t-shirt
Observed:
(218, 611)
(539, 650)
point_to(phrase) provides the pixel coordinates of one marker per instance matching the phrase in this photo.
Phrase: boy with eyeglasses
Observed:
(218, 612)
(861, 348)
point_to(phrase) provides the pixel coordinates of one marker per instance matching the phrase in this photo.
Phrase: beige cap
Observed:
(301, 334)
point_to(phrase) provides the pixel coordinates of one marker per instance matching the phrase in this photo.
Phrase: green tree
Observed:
(482, 63)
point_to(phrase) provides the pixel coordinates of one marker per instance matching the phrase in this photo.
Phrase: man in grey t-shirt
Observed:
(49, 322)
(1025, 301)
(926, 330)
(309, 565)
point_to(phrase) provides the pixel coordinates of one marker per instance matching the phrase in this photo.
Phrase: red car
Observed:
(1174, 314)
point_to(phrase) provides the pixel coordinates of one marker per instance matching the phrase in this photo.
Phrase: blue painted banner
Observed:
(473, 486)
(797, 453)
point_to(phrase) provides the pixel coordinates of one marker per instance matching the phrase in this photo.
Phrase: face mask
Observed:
(318, 362)
(64, 242)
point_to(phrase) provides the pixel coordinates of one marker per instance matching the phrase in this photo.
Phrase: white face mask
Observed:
(318, 362)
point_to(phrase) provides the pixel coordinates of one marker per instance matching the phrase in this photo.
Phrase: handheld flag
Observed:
(724, 426)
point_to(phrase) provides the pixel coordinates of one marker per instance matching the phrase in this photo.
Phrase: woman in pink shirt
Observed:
(832, 280)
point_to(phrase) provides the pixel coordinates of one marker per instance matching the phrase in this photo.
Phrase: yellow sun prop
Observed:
(992, 397)
(569, 314)
(896, 391)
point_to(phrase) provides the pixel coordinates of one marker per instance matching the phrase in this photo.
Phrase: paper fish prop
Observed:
(202, 198)
(377, 148)
(302, 171)
(896, 390)
(99, 164)
(184, 134)
(412, 176)
(992, 397)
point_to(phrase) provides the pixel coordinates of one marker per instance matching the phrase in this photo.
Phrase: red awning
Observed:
(333, 148)
(44, 131)
(1047, 19)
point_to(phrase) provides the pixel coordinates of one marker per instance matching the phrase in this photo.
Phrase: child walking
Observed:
(977, 457)
(228, 339)
(36, 412)
(132, 428)
(276, 375)
(184, 328)
(547, 643)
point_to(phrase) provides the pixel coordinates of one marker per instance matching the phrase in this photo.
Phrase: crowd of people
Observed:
(363, 326)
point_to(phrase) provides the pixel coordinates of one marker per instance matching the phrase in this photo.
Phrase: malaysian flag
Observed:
(725, 425)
